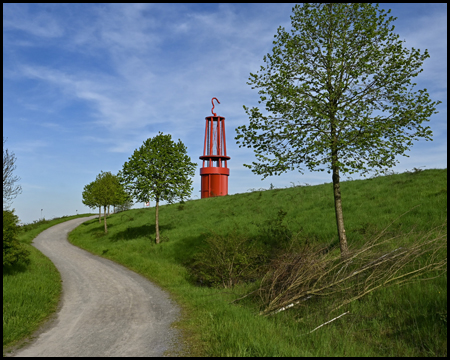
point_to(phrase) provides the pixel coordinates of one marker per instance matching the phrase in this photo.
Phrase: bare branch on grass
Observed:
(296, 276)
(337, 317)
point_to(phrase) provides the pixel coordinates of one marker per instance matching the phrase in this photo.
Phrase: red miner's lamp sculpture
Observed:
(214, 172)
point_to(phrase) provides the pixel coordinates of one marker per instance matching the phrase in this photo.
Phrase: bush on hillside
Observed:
(275, 232)
(228, 260)
(13, 251)
(34, 225)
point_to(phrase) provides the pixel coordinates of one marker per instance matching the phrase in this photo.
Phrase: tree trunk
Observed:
(106, 229)
(333, 103)
(99, 214)
(339, 214)
(157, 220)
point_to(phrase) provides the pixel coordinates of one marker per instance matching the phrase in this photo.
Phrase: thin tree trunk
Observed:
(333, 103)
(339, 214)
(99, 214)
(106, 229)
(157, 220)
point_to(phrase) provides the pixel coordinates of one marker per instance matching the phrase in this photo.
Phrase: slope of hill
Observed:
(394, 321)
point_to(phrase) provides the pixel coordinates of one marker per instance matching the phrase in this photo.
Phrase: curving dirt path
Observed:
(107, 310)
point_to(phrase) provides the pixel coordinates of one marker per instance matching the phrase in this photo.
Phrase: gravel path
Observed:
(107, 310)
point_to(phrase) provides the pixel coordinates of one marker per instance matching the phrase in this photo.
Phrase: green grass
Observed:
(396, 321)
(30, 293)
(29, 231)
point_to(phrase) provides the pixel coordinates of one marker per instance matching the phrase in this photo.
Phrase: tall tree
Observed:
(160, 169)
(10, 188)
(338, 97)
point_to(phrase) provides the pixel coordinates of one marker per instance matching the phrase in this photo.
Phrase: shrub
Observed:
(228, 260)
(13, 251)
(275, 233)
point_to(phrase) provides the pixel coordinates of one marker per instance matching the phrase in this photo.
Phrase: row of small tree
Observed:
(105, 191)
(159, 170)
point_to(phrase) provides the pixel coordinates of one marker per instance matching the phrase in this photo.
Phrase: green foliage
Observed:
(338, 96)
(107, 189)
(13, 252)
(125, 206)
(88, 197)
(160, 169)
(29, 231)
(338, 93)
(33, 225)
(275, 232)
(122, 199)
(228, 260)
(30, 295)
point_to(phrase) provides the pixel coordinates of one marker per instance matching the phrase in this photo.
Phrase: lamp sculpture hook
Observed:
(212, 102)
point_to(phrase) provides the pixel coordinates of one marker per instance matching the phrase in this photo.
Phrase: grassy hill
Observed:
(406, 320)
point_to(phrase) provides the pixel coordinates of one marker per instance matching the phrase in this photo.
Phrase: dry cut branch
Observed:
(311, 273)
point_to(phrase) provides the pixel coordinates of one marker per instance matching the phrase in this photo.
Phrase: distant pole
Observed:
(76, 211)
(41, 214)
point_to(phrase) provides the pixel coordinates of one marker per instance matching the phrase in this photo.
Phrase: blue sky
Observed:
(85, 84)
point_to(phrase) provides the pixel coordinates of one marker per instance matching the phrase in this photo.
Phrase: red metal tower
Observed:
(214, 172)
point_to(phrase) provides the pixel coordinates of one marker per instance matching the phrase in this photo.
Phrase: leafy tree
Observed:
(104, 191)
(125, 206)
(10, 188)
(13, 251)
(106, 187)
(122, 199)
(338, 97)
(160, 169)
(89, 199)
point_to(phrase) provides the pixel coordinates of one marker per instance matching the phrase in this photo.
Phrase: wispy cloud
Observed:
(29, 146)
(145, 89)
(37, 23)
